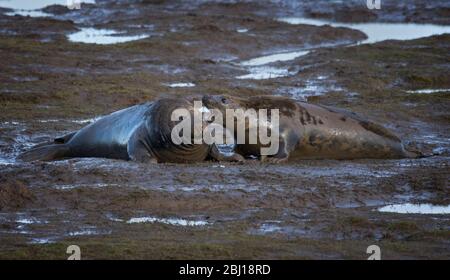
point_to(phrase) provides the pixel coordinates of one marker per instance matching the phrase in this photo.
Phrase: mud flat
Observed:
(51, 85)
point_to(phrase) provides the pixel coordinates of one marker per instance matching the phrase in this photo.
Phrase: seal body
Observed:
(308, 131)
(141, 133)
(110, 136)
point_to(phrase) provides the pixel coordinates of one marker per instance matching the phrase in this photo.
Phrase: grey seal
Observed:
(140, 133)
(309, 131)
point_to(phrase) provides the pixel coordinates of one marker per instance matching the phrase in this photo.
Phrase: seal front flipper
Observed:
(138, 149)
(281, 156)
(47, 152)
(214, 153)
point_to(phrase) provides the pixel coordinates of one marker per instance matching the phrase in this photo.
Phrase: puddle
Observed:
(258, 61)
(5, 124)
(42, 241)
(312, 88)
(31, 8)
(26, 13)
(226, 58)
(26, 79)
(27, 221)
(168, 221)
(441, 145)
(340, 170)
(7, 161)
(88, 231)
(75, 186)
(86, 121)
(142, 26)
(82, 121)
(167, 69)
(113, 218)
(440, 150)
(107, 165)
(269, 228)
(242, 30)
(265, 72)
(244, 188)
(275, 227)
(11, 145)
(258, 70)
(409, 208)
(434, 139)
(177, 85)
(101, 36)
(429, 91)
(37, 4)
(377, 32)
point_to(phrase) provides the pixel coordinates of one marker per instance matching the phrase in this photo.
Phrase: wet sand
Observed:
(328, 209)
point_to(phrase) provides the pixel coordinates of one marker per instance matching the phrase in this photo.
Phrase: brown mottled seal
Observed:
(309, 131)
(140, 133)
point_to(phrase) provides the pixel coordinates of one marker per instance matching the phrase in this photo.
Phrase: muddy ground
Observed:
(322, 209)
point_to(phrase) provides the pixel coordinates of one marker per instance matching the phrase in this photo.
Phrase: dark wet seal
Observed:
(140, 133)
(343, 119)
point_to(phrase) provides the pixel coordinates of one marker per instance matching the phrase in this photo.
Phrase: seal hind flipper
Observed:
(45, 153)
(58, 140)
(281, 156)
(65, 138)
(365, 123)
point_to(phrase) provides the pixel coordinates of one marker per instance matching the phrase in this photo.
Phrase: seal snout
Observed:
(216, 101)
(206, 101)
(210, 101)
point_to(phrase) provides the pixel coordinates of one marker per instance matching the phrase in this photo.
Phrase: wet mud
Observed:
(51, 84)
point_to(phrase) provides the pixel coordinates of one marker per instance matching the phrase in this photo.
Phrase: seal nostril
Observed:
(205, 99)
